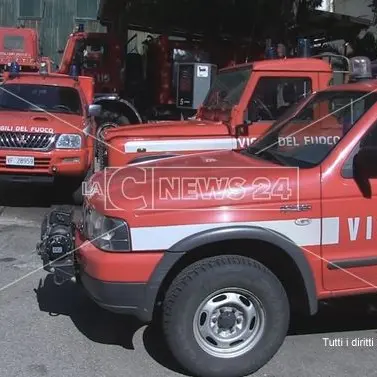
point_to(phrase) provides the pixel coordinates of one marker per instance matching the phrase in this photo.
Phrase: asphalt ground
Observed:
(57, 331)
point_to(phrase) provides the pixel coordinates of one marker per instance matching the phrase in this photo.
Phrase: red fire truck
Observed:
(47, 129)
(242, 103)
(134, 87)
(21, 45)
(222, 247)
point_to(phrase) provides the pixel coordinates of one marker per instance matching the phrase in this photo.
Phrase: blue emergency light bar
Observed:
(304, 48)
(73, 71)
(14, 69)
(81, 28)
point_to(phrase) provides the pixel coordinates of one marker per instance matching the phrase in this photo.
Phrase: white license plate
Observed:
(20, 161)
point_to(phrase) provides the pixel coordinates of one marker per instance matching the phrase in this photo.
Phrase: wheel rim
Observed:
(229, 323)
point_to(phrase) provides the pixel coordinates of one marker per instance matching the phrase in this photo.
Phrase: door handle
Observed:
(302, 222)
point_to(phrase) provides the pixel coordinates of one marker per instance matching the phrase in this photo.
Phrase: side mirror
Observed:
(242, 130)
(94, 110)
(364, 163)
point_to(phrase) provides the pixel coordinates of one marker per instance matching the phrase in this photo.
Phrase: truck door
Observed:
(349, 219)
(271, 96)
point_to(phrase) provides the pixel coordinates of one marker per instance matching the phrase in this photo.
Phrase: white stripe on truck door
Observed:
(163, 237)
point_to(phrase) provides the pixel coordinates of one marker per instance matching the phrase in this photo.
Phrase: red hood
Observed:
(169, 129)
(203, 180)
(13, 121)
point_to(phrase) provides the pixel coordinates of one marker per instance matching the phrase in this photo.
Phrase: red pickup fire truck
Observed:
(242, 103)
(47, 120)
(21, 45)
(223, 246)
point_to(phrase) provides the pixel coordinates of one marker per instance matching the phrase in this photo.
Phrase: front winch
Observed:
(57, 245)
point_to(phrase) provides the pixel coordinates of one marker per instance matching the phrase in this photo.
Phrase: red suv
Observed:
(226, 245)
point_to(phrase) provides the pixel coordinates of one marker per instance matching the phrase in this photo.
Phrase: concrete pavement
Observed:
(57, 331)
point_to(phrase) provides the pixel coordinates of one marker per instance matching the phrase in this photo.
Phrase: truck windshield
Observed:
(33, 97)
(306, 137)
(14, 43)
(227, 88)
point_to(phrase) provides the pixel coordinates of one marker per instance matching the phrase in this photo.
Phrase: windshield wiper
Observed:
(266, 153)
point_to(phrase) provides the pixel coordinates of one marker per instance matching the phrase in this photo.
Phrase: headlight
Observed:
(68, 141)
(106, 233)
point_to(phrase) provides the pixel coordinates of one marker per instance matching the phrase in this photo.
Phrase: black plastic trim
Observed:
(155, 281)
(256, 233)
(352, 263)
(122, 298)
(138, 160)
(136, 299)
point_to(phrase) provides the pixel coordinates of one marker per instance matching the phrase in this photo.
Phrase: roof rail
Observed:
(331, 56)
(333, 60)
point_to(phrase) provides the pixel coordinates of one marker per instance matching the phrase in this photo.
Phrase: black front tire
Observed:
(204, 278)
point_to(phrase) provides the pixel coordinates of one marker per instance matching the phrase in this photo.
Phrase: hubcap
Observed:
(229, 323)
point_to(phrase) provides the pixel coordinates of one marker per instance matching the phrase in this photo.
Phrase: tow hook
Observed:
(62, 275)
(57, 245)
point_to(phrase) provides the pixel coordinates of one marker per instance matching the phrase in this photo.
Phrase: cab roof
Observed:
(289, 64)
(17, 31)
(54, 79)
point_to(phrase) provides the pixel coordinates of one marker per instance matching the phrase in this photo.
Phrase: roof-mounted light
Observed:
(43, 69)
(361, 68)
(304, 48)
(73, 71)
(81, 28)
(14, 69)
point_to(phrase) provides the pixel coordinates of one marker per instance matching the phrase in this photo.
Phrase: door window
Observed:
(273, 96)
(368, 140)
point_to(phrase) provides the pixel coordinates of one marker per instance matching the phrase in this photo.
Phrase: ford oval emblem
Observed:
(302, 222)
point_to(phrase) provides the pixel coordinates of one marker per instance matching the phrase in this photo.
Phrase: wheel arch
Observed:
(277, 252)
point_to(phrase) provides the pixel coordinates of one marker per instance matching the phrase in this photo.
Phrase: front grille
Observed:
(25, 140)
